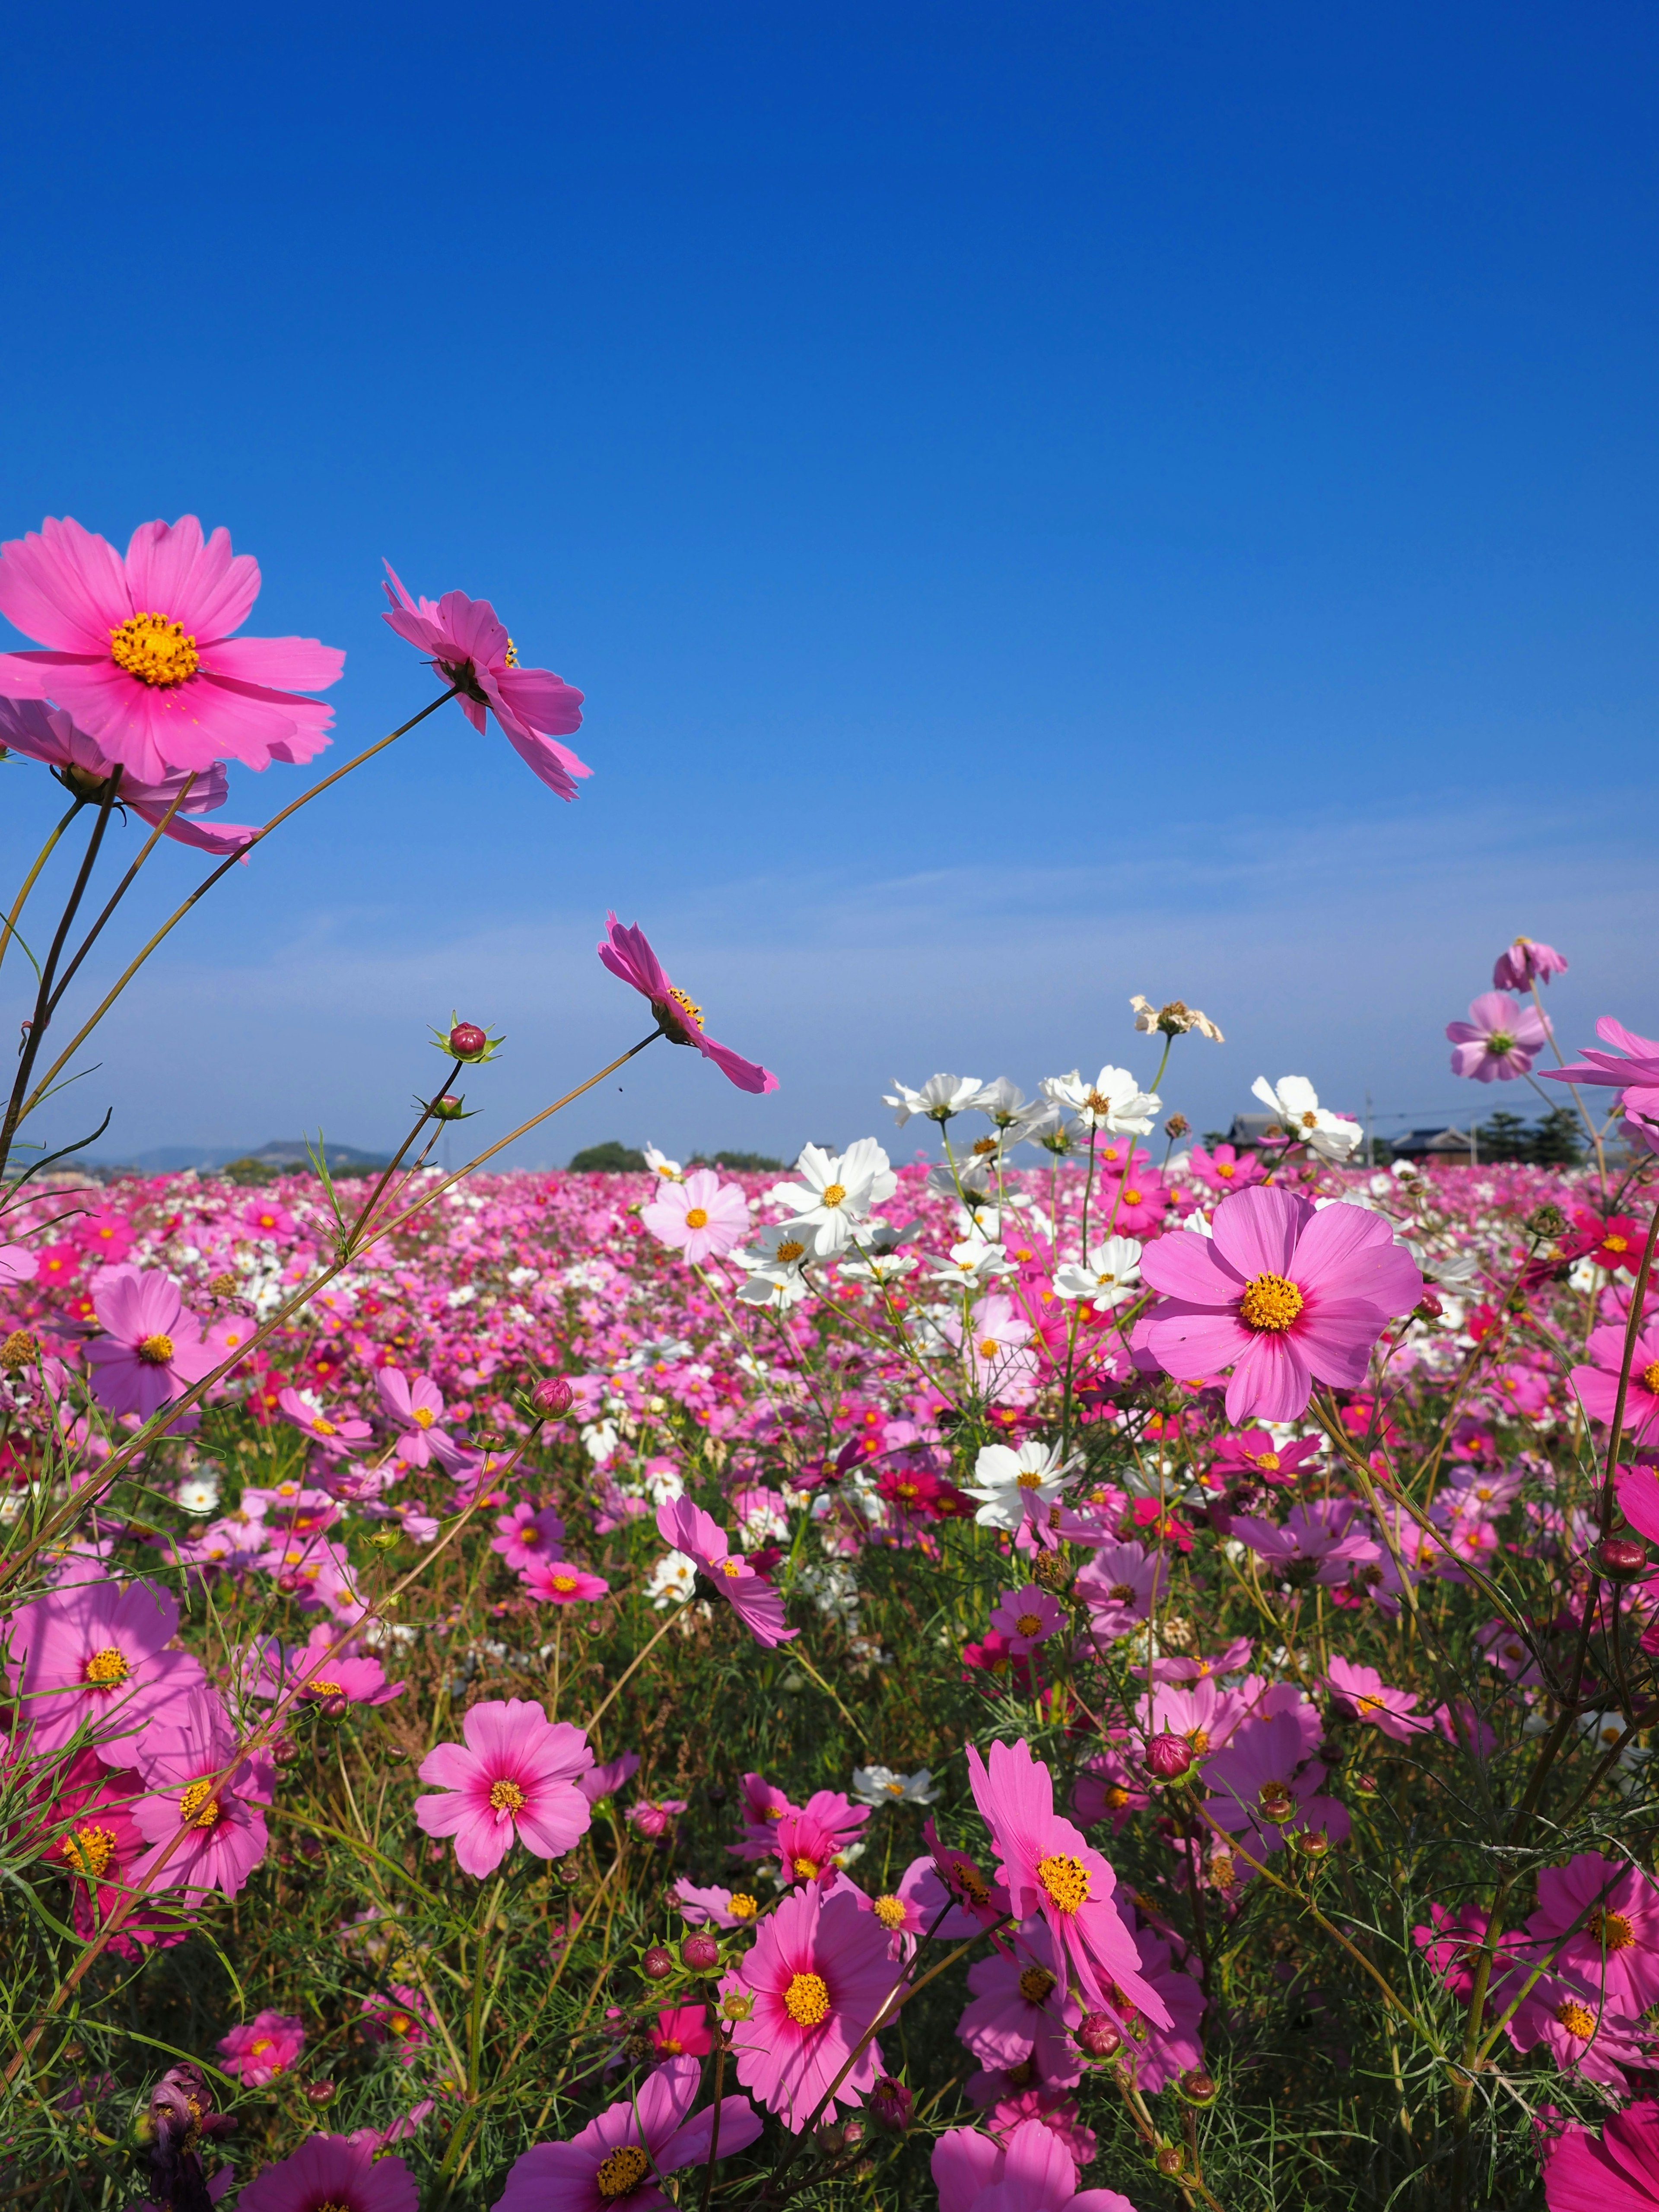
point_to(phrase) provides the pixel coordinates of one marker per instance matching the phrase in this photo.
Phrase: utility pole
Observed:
(1474, 1144)
(1370, 1145)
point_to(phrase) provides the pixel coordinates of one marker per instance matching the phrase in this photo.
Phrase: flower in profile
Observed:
(139, 650)
(1304, 1121)
(702, 1217)
(95, 1656)
(619, 2157)
(1011, 1482)
(725, 1908)
(515, 1780)
(556, 1582)
(469, 649)
(1618, 2173)
(1362, 1692)
(46, 733)
(200, 1812)
(1173, 1019)
(324, 1669)
(178, 2119)
(882, 1785)
(152, 1350)
(816, 1982)
(699, 1537)
(941, 1098)
(1598, 1384)
(1527, 961)
(1285, 1293)
(331, 2173)
(627, 953)
(1032, 2171)
(1500, 1041)
(1110, 1278)
(261, 2049)
(1114, 1101)
(1049, 1867)
(337, 1432)
(1636, 1075)
(836, 1194)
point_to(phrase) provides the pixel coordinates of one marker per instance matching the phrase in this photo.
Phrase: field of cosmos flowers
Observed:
(1077, 1668)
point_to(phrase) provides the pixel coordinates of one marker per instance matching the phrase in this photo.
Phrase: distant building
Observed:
(1249, 1130)
(1457, 1148)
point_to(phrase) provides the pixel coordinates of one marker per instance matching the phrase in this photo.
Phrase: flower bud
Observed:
(1170, 2159)
(334, 1707)
(1312, 1843)
(319, 2093)
(1621, 1558)
(657, 1964)
(1545, 1221)
(468, 1041)
(1169, 1757)
(553, 1397)
(447, 1108)
(1099, 2035)
(1428, 1307)
(891, 2104)
(699, 1952)
(1197, 2087)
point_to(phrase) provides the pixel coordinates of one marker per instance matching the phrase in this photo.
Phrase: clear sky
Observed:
(1044, 504)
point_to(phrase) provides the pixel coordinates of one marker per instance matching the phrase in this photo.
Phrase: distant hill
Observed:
(281, 1152)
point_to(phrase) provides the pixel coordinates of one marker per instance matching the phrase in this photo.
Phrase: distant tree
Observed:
(1381, 1152)
(1504, 1136)
(249, 1170)
(1557, 1141)
(609, 1159)
(1212, 1138)
(742, 1163)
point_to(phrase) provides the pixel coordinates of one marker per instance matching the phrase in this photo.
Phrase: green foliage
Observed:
(608, 1158)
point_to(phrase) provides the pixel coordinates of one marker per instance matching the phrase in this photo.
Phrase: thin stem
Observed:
(9, 930)
(118, 894)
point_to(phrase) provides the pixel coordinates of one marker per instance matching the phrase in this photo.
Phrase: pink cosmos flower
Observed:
(556, 1581)
(1598, 1384)
(1500, 1041)
(1020, 2009)
(1120, 1586)
(1263, 1786)
(686, 1527)
(1614, 1909)
(1156, 2056)
(1619, 2174)
(1047, 1866)
(527, 1535)
(263, 2047)
(1257, 1451)
(1032, 2172)
(653, 1816)
(604, 1781)
(806, 1849)
(337, 1432)
(1583, 2036)
(725, 1908)
(333, 2172)
(702, 1217)
(17, 1265)
(1321, 1541)
(816, 1979)
(1221, 1168)
(323, 1668)
(1106, 1790)
(152, 1350)
(470, 647)
(618, 2158)
(1284, 1293)
(1135, 1204)
(140, 653)
(919, 1905)
(95, 1840)
(515, 1780)
(95, 1656)
(415, 1403)
(1519, 965)
(1027, 1618)
(1451, 1946)
(46, 733)
(1636, 1075)
(681, 2032)
(402, 2017)
(200, 1813)
(627, 953)
(979, 1902)
(1361, 1692)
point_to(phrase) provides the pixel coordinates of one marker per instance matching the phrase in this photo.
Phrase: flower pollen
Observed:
(806, 2000)
(106, 1667)
(1578, 2020)
(198, 1808)
(741, 1905)
(1612, 1930)
(89, 1850)
(1065, 1880)
(621, 2174)
(505, 1796)
(155, 650)
(156, 1351)
(1270, 1301)
(889, 1911)
(1035, 1985)
(697, 1216)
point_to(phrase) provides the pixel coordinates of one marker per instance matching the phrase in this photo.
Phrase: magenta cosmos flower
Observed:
(1285, 1293)
(1518, 966)
(702, 1217)
(1598, 1384)
(95, 1656)
(527, 1534)
(556, 1582)
(46, 733)
(514, 1781)
(1032, 2171)
(1500, 1041)
(1362, 1692)
(140, 652)
(817, 1980)
(1047, 1866)
(1613, 1911)
(627, 953)
(200, 1812)
(686, 1527)
(619, 2157)
(152, 1349)
(471, 648)
(1637, 1075)
(331, 2173)
(1620, 2173)
(261, 2049)
(415, 1404)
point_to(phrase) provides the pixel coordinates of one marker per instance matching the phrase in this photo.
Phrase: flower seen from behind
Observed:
(627, 953)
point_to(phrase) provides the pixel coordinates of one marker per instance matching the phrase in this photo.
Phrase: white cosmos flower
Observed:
(1110, 1278)
(881, 1785)
(940, 1098)
(870, 1266)
(661, 1164)
(1296, 1101)
(1007, 1480)
(974, 1261)
(772, 1265)
(835, 1192)
(673, 1579)
(1114, 1101)
(969, 1174)
(1005, 1102)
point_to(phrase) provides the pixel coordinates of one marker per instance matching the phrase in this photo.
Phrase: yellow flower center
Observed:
(732, 1569)
(424, 1417)
(1131, 1197)
(1269, 1302)
(325, 1689)
(332, 2205)
(1613, 1242)
(988, 1349)
(806, 1869)
(262, 2042)
(1096, 1104)
(324, 1428)
(1117, 1796)
(1028, 1623)
(620, 2174)
(789, 1251)
(806, 2000)
(1226, 1170)
(156, 1351)
(890, 1911)
(510, 658)
(1065, 1880)
(89, 1850)
(400, 2022)
(1650, 1377)
(1611, 1930)
(106, 1667)
(697, 1216)
(564, 1581)
(741, 1905)
(505, 1796)
(155, 650)
(198, 1808)
(1200, 1739)
(1027, 1480)
(688, 1005)
(1035, 1985)
(1578, 2020)
(1363, 1705)
(834, 1192)
(1122, 1593)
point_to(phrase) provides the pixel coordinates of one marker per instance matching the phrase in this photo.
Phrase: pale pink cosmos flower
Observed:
(556, 1582)
(95, 1656)
(332, 2171)
(527, 1534)
(515, 1780)
(1597, 1385)
(1361, 1692)
(17, 1265)
(604, 1781)
(1285, 1293)
(627, 953)
(152, 1349)
(1500, 1041)
(471, 648)
(1048, 1866)
(261, 2049)
(618, 2159)
(1027, 1618)
(415, 1404)
(1033, 2172)
(1324, 1540)
(702, 1217)
(725, 1908)
(140, 652)
(46, 733)
(337, 1432)
(1119, 1585)
(817, 1978)
(200, 1791)
(686, 1527)
(1518, 966)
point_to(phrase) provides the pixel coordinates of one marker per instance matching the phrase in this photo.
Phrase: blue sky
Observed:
(1043, 504)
